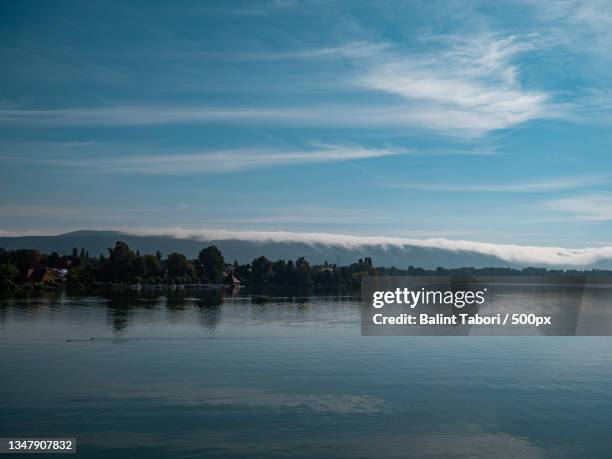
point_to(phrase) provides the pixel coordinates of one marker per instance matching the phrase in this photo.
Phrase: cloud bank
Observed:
(522, 255)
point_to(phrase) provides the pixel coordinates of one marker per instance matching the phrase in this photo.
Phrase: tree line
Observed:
(122, 265)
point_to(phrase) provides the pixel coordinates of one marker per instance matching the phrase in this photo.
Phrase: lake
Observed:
(210, 374)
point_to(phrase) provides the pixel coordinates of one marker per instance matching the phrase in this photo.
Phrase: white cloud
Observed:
(539, 186)
(450, 120)
(572, 22)
(472, 85)
(354, 50)
(524, 255)
(468, 88)
(581, 32)
(224, 160)
(594, 208)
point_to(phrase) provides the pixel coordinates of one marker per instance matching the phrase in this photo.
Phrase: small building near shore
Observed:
(232, 280)
(45, 275)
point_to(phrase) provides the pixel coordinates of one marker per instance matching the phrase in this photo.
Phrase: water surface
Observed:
(210, 374)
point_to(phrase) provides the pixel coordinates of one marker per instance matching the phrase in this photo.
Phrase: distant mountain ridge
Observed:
(97, 242)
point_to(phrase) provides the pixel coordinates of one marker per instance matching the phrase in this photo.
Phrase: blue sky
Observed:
(481, 121)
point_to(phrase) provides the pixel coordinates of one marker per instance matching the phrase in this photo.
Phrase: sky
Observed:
(460, 120)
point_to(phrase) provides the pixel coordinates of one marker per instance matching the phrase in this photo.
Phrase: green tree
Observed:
(120, 261)
(8, 277)
(139, 268)
(152, 266)
(302, 268)
(281, 272)
(179, 268)
(261, 270)
(211, 264)
(145, 267)
(54, 260)
(24, 259)
(81, 275)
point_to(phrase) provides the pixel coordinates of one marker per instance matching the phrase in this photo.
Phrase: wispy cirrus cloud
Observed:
(220, 161)
(534, 186)
(352, 50)
(593, 207)
(187, 52)
(472, 85)
(572, 22)
(461, 87)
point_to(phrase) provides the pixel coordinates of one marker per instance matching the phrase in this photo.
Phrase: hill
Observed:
(97, 242)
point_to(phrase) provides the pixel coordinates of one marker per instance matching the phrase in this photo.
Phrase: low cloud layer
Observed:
(522, 255)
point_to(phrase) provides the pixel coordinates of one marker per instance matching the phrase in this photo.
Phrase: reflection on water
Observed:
(124, 307)
(221, 374)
